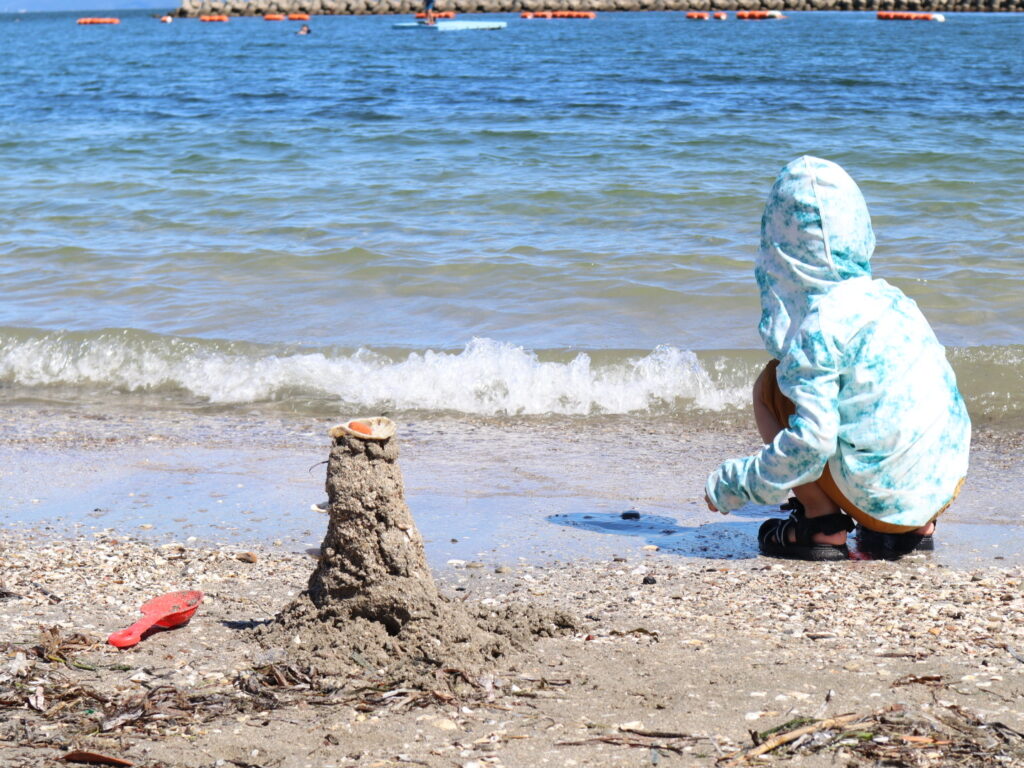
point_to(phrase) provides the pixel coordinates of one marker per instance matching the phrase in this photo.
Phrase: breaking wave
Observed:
(486, 377)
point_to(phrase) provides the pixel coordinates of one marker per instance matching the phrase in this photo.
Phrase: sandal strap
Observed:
(805, 527)
(792, 505)
(775, 530)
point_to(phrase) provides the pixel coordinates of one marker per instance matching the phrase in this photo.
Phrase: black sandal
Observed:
(892, 546)
(772, 535)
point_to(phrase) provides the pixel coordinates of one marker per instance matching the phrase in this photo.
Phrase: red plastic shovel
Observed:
(166, 611)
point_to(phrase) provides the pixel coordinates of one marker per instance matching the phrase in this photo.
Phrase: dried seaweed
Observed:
(946, 737)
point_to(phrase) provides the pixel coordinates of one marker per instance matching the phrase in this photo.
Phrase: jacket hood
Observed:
(815, 233)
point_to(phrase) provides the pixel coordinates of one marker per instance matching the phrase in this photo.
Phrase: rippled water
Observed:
(557, 217)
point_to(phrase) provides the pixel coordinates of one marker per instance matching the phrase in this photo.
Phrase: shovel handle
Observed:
(125, 638)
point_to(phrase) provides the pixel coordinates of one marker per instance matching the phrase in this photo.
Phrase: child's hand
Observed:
(711, 506)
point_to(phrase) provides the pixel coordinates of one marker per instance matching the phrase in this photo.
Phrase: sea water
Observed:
(559, 217)
(556, 219)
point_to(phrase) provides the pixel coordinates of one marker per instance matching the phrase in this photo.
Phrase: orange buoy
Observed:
(98, 20)
(438, 15)
(273, 17)
(298, 17)
(214, 17)
(698, 15)
(721, 15)
(904, 16)
(758, 15)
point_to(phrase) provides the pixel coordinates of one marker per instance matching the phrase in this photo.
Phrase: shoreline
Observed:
(495, 491)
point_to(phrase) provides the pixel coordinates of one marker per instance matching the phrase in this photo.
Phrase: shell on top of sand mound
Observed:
(378, 428)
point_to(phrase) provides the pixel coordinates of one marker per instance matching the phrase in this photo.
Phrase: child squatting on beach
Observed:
(859, 409)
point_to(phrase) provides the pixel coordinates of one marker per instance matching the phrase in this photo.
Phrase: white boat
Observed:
(443, 25)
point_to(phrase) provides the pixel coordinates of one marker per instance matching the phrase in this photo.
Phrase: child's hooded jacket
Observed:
(875, 397)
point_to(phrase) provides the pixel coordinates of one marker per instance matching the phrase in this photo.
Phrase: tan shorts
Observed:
(767, 392)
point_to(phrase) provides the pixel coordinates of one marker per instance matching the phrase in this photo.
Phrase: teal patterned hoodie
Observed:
(875, 397)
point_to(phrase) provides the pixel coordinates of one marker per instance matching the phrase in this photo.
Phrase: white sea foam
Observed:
(486, 377)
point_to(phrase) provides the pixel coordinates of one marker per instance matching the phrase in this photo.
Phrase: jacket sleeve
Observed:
(807, 375)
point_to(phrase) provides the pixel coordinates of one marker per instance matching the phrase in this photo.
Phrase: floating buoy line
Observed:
(903, 16)
(758, 15)
(557, 15)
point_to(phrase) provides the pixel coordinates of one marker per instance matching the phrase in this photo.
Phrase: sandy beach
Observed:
(684, 642)
(680, 670)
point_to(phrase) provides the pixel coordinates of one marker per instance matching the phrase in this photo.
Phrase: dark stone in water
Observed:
(631, 514)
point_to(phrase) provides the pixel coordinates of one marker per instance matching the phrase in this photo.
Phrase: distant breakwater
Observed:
(191, 8)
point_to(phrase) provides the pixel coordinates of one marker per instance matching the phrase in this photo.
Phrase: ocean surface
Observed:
(560, 217)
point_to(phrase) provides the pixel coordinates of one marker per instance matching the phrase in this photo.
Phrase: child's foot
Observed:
(892, 546)
(805, 538)
(836, 539)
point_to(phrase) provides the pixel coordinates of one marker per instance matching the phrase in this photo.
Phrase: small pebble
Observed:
(650, 580)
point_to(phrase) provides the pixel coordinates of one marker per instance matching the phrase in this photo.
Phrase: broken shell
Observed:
(374, 428)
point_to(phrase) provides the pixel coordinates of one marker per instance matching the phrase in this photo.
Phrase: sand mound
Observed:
(372, 602)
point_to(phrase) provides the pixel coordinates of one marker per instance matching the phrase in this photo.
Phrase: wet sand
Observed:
(497, 491)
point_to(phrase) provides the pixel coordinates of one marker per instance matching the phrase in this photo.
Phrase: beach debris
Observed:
(94, 758)
(372, 599)
(947, 736)
(769, 740)
(246, 557)
(56, 647)
(53, 598)
(628, 735)
(165, 612)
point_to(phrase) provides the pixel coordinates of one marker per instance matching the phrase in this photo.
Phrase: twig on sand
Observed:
(677, 744)
(52, 597)
(622, 741)
(742, 756)
(1013, 653)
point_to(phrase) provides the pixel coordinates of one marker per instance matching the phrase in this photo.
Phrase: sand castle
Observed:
(372, 601)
